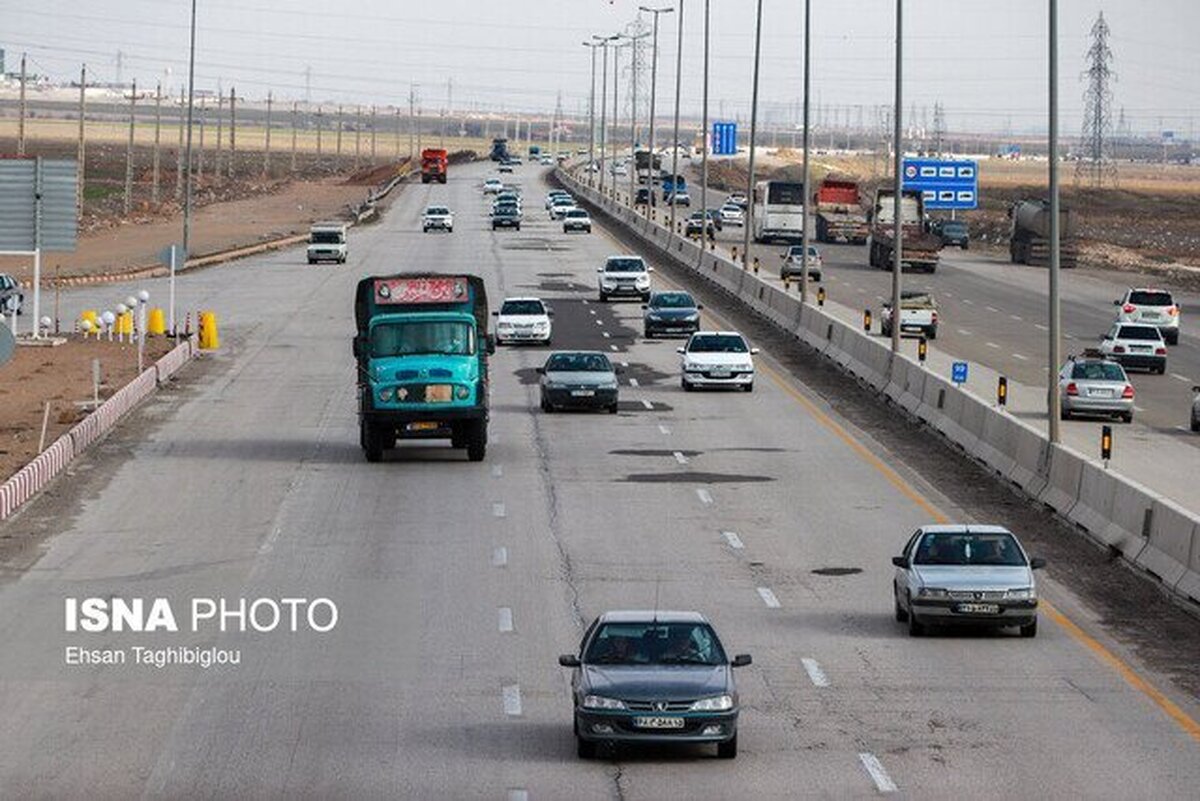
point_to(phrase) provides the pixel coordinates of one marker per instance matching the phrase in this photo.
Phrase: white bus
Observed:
(779, 211)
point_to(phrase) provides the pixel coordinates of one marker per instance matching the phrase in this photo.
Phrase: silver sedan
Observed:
(1095, 386)
(965, 575)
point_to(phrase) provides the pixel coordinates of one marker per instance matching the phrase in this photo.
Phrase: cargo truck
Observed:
(434, 165)
(919, 248)
(647, 164)
(839, 213)
(422, 351)
(1029, 242)
(499, 150)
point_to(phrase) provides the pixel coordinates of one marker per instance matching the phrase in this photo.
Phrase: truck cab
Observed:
(327, 242)
(435, 163)
(422, 350)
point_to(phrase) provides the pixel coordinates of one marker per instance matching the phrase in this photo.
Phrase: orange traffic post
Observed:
(209, 339)
(867, 320)
(820, 296)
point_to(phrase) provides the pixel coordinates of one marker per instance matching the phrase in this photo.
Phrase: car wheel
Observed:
(648, 334)
(603, 298)
(727, 749)
(312, 261)
(915, 627)
(1162, 370)
(372, 442)
(1063, 414)
(585, 749)
(687, 387)
(546, 407)
(1195, 424)
(748, 387)
(612, 409)
(901, 615)
(1029, 630)
(1127, 417)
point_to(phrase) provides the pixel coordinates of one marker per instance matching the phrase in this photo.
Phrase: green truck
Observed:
(422, 350)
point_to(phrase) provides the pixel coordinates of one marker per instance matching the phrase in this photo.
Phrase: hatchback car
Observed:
(523, 320)
(952, 232)
(1093, 385)
(579, 380)
(1153, 306)
(717, 359)
(1135, 346)
(670, 313)
(653, 677)
(791, 263)
(973, 575)
(624, 276)
(576, 219)
(437, 218)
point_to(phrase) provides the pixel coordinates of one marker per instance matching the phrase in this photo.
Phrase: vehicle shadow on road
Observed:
(885, 627)
(307, 451)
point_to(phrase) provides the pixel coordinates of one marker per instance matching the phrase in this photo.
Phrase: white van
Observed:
(327, 242)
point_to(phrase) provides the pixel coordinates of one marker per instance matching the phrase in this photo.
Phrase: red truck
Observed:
(434, 162)
(839, 211)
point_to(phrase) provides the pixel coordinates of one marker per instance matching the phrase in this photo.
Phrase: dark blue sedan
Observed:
(671, 314)
(653, 677)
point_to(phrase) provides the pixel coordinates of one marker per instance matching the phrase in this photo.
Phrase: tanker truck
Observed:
(1030, 239)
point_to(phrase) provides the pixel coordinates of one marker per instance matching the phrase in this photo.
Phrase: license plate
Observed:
(582, 393)
(1101, 393)
(421, 427)
(720, 374)
(437, 393)
(979, 609)
(658, 723)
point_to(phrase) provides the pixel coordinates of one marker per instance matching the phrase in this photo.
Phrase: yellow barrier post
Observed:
(209, 340)
(125, 324)
(156, 325)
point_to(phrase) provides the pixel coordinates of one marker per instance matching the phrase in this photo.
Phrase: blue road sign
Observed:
(946, 184)
(724, 139)
(958, 373)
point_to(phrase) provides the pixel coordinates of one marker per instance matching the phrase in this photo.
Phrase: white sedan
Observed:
(523, 320)
(732, 214)
(717, 359)
(493, 186)
(438, 218)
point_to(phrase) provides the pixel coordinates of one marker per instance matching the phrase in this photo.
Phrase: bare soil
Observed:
(59, 376)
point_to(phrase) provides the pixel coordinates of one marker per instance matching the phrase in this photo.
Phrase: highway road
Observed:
(458, 584)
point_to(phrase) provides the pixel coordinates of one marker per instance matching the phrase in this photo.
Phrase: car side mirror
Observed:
(651, 269)
(496, 313)
(1116, 303)
(568, 660)
(754, 351)
(742, 660)
(618, 371)
(700, 306)
(1037, 563)
(549, 313)
(540, 370)
(1195, 389)
(599, 269)
(645, 305)
(680, 350)
(899, 561)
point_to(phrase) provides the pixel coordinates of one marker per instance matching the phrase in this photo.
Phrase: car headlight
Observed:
(609, 385)
(386, 394)
(931, 592)
(541, 326)
(718, 703)
(744, 368)
(655, 317)
(462, 392)
(691, 318)
(692, 367)
(504, 325)
(600, 702)
(1021, 594)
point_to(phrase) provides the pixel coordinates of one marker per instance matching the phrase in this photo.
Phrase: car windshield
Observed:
(579, 363)
(717, 343)
(437, 210)
(1148, 332)
(1098, 371)
(1146, 297)
(652, 643)
(673, 300)
(577, 213)
(954, 227)
(326, 238)
(964, 548)
(522, 307)
(442, 337)
(625, 266)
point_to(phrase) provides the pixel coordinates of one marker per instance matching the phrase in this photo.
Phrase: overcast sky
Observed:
(984, 61)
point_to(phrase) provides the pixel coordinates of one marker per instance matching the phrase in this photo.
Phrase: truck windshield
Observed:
(326, 238)
(444, 337)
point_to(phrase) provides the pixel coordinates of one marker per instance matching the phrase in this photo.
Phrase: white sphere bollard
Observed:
(122, 308)
(144, 296)
(86, 326)
(131, 302)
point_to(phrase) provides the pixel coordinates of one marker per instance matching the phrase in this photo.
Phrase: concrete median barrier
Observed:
(1065, 475)
(1030, 455)
(1129, 523)
(1168, 549)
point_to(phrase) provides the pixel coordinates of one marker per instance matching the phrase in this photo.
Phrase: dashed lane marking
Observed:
(993, 345)
(504, 617)
(497, 471)
(647, 404)
(705, 496)
(1019, 356)
(883, 782)
(815, 674)
(734, 541)
(633, 382)
(498, 510)
(511, 695)
(666, 432)
(500, 557)
(679, 457)
(768, 597)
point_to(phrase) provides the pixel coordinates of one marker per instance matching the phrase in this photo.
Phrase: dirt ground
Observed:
(61, 376)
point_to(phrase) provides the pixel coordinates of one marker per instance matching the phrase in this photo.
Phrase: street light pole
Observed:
(675, 135)
(897, 187)
(616, 113)
(704, 134)
(654, 91)
(1055, 352)
(807, 173)
(604, 40)
(187, 192)
(592, 113)
(753, 132)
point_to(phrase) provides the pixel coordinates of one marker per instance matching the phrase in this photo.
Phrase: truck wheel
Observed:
(372, 442)
(1172, 337)
(476, 435)
(442, 179)
(931, 334)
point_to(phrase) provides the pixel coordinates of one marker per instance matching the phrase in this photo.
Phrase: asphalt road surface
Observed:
(458, 584)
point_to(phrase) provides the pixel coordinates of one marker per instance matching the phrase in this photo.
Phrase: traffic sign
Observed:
(958, 373)
(37, 205)
(724, 139)
(945, 183)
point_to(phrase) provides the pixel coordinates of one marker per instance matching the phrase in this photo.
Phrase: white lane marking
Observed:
(993, 345)
(511, 693)
(664, 430)
(964, 332)
(498, 510)
(991, 308)
(1069, 336)
(704, 495)
(497, 471)
(605, 334)
(1136, 408)
(815, 674)
(614, 347)
(883, 782)
(968, 302)
(1014, 317)
(590, 311)
(679, 457)
(947, 294)
(625, 365)
(633, 382)
(586, 303)
(1182, 378)
(733, 539)
(599, 322)
(647, 404)
(518, 794)
(1019, 356)
(504, 617)
(768, 598)
(1040, 327)
(1184, 429)
(500, 557)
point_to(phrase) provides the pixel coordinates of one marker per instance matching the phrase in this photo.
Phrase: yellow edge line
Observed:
(1131, 677)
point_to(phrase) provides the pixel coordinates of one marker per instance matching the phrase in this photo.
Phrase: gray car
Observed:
(11, 296)
(965, 575)
(653, 677)
(579, 380)
(1094, 385)
(1196, 409)
(671, 314)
